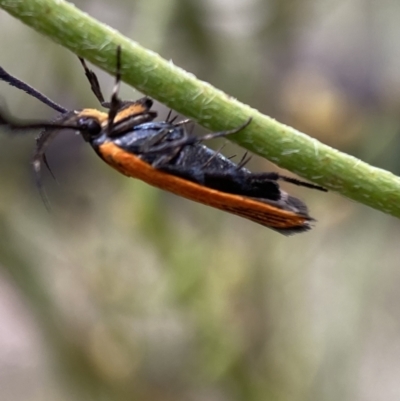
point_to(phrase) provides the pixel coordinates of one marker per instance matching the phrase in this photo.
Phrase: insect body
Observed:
(165, 155)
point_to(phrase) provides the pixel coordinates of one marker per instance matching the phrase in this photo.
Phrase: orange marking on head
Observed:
(101, 116)
(252, 209)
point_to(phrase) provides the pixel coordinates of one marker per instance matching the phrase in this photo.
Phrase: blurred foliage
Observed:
(125, 292)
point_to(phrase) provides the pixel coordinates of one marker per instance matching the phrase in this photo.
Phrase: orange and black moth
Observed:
(165, 155)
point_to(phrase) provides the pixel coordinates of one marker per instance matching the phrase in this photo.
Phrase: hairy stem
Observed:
(181, 91)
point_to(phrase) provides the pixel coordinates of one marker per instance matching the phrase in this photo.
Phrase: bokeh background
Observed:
(124, 292)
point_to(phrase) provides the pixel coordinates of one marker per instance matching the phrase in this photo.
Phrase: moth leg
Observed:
(260, 177)
(94, 83)
(192, 140)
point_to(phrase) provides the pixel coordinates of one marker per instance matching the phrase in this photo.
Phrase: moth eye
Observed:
(89, 126)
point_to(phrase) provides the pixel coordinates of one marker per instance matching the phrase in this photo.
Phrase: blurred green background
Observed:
(124, 292)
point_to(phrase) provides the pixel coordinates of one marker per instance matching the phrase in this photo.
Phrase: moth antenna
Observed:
(6, 77)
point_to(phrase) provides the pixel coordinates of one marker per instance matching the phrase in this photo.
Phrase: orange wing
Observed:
(269, 215)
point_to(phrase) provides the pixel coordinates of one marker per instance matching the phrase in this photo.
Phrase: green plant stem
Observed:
(181, 91)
